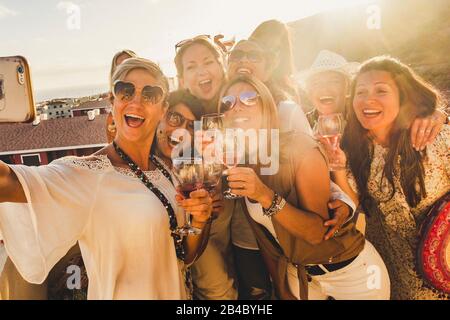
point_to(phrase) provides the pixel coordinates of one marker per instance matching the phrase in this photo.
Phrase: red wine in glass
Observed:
(185, 189)
(189, 173)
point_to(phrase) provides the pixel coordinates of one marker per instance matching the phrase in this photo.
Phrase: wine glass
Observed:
(223, 150)
(330, 128)
(212, 172)
(189, 173)
(212, 126)
(212, 121)
(230, 157)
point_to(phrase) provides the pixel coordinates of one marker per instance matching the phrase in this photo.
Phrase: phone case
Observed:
(16, 95)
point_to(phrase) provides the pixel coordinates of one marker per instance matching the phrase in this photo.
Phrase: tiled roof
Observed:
(53, 134)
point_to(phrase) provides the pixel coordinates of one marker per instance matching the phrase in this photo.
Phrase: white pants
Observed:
(366, 278)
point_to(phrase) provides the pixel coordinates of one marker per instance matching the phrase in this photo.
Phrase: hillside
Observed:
(416, 31)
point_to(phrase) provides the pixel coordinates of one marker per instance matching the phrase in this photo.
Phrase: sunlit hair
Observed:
(275, 35)
(211, 46)
(140, 63)
(129, 53)
(268, 106)
(267, 54)
(416, 98)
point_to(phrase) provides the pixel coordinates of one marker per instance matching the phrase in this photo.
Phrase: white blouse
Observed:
(122, 228)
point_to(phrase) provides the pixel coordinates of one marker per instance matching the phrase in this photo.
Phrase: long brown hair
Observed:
(275, 36)
(417, 98)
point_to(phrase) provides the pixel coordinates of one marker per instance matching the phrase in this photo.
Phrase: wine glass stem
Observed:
(188, 218)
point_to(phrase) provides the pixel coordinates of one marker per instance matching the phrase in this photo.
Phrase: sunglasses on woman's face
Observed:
(247, 98)
(175, 119)
(253, 56)
(125, 92)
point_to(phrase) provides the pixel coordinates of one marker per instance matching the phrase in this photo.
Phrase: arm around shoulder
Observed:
(312, 185)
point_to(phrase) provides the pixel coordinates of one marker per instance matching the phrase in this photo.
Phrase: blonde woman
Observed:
(119, 204)
(118, 58)
(287, 209)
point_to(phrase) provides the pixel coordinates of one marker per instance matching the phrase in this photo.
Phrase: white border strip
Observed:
(52, 149)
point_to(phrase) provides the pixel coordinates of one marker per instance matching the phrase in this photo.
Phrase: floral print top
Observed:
(395, 230)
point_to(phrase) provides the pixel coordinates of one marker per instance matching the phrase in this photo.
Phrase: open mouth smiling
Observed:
(133, 120)
(327, 99)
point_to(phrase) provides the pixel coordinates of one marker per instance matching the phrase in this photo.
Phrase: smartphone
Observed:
(16, 95)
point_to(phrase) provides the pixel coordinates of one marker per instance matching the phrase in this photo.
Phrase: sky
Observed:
(70, 44)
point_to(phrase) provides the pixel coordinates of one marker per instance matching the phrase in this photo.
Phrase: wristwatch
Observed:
(277, 205)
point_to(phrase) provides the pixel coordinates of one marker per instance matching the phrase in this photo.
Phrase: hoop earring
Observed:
(112, 127)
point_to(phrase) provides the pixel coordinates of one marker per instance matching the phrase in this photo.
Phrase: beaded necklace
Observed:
(177, 239)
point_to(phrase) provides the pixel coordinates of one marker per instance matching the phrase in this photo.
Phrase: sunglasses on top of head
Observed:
(175, 119)
(253, 56)
(186, 41)
(247, 98)
(125, 91)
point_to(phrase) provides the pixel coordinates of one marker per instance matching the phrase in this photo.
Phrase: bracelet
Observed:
(277, 205)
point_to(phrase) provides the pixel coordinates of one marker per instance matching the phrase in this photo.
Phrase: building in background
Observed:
(102, 104)
(57, 108)
(43, 141)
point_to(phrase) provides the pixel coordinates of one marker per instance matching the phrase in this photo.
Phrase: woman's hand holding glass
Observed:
(245, 182)
(328, 131)
(199, 205)
(189, 173)
(336, 157)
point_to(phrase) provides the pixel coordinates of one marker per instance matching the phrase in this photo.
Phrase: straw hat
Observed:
(328, 61)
